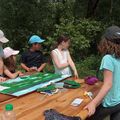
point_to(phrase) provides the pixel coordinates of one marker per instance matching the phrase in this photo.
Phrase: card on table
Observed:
(76, 102)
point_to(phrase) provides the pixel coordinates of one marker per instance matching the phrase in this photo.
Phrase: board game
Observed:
(29, 83)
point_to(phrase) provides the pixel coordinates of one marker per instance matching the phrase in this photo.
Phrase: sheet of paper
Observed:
(77, 102)
(3, 88)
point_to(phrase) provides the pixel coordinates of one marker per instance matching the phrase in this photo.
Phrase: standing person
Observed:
(33, 59)
(10, 63)
(3, 40)
(62, 60)
(107, 101)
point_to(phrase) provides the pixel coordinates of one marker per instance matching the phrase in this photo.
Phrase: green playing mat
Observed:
(27, 82)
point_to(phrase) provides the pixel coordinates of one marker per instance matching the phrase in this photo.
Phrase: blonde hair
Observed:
(10, 64)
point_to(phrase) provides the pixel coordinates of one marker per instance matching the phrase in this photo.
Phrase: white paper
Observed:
(3, 88)
(77, 102)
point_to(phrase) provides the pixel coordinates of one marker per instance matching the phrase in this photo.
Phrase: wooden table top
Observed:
(33, 105)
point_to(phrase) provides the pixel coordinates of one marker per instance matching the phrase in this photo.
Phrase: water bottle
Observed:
(9, 113)
(0, 113)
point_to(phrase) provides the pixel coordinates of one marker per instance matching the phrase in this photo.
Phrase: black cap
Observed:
(112, 34)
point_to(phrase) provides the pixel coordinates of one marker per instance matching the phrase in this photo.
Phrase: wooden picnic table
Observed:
(32, 106)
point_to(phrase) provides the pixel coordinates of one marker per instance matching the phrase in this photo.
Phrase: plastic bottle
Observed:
(9, 113)
(1, 113)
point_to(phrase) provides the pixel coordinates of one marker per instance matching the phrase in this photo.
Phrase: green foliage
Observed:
(20, 19)
(80, 8)
(89, 66)
(108, 11)
(82, 33)
(49, 68)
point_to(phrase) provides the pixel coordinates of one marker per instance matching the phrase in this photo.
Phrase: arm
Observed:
(55, 58)
(24, 60)
(107, 85)
(11, 75)
(1, 70)
(41, 67)
(72, 65)
(43, 63)
(1, 66)
(25, 67)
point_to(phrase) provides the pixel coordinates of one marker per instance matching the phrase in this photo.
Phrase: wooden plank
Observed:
(5, 97)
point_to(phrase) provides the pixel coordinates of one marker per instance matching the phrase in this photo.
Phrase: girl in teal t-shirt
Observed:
(107, 101)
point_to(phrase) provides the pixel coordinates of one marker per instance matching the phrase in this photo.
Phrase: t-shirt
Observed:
(33, 59)
(1, 51)
(111, 63)
(62, 58)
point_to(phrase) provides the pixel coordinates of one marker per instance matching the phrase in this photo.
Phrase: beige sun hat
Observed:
(9, 51)
(3, 39)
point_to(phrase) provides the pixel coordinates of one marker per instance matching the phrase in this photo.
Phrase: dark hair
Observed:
(108, 47)
(10, 64)
(30, 45)
(62, 38)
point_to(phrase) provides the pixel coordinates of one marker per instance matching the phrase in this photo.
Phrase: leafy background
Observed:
(83, 20)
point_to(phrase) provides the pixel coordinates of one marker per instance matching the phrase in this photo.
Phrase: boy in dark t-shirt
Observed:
(33, 59)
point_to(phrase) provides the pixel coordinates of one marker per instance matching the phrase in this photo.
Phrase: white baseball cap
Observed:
(3, 39)
(9, 51)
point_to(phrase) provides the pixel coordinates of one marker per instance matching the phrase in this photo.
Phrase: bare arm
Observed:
(55, 59)
(25, 67)
(1, 70)
(11, 75)
(1, 66)
(105, 88)
(41, 67)
(72, 65)
(107, 85)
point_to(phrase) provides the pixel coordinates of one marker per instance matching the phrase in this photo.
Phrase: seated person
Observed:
(62, 60)
(2, 79)
(33, 59)
(10, 63)
(2, 41)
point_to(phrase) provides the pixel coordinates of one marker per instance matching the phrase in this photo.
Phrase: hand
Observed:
(38, 70)
(28, 69)
(33, 69)
(2, 79)
(91, 108)
(20, 73)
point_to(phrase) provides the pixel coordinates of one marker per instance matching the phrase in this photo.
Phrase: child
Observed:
(3, 40)
(10, 62)
(62, 60)
(108, 98)
(33, 59)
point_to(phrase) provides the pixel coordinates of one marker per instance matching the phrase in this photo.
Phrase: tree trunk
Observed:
(111, 7)
(92, 5)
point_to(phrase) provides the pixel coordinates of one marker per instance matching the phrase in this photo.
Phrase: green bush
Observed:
(83, 34)
(89, 66)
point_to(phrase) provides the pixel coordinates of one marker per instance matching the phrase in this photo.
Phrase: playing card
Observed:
(77, 102)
